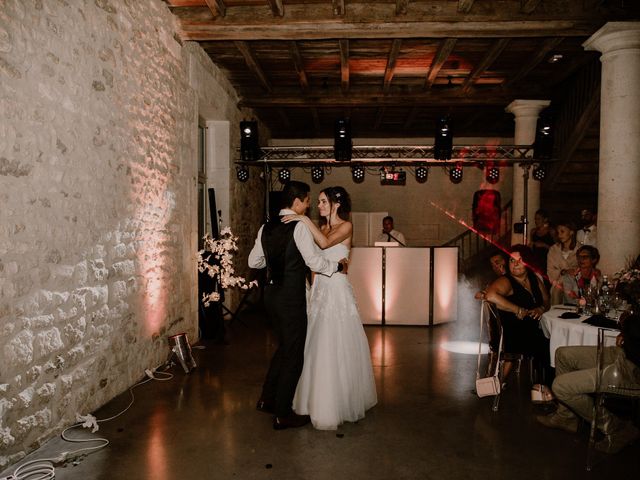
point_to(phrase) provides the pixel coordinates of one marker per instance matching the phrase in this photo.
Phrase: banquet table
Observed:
(562, 332)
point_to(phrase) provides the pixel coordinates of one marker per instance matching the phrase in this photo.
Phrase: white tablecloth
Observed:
(566, 331)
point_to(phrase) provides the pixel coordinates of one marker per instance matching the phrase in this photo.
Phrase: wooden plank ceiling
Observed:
(395, 66)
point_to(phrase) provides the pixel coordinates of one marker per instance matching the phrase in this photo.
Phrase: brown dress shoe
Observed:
(557, 421)
(264, 406)
(614, 442)
(293, 420)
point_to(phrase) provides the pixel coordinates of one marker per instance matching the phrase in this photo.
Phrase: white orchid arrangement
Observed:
(216, 258)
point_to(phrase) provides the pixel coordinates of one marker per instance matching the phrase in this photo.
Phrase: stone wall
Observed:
(97, 205)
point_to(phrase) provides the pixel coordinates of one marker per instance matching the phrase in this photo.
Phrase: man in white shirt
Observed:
(588, 234)
(389, 234)
(286, 250)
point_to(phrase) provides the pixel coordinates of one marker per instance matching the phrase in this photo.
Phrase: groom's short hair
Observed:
(292, 190)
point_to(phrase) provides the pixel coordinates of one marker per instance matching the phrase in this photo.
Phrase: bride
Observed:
(336, 384)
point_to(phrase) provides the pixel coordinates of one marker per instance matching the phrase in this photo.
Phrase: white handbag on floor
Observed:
(488, 386)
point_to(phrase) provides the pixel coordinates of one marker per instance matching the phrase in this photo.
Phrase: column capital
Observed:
(615, 36)
(527, 108)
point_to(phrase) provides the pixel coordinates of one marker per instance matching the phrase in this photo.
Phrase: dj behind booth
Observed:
(399, 285)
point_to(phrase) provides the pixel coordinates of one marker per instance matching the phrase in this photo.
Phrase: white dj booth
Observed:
(396, 285)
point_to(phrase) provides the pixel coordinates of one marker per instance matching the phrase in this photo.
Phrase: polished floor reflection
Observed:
(427, 424)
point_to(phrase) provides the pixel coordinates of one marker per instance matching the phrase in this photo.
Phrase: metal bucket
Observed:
(180, 347)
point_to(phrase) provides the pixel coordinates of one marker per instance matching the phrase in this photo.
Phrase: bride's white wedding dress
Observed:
(336, 384)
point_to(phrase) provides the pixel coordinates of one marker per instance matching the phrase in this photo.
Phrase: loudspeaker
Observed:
(486, 211)
(249, 147)
(275, 203)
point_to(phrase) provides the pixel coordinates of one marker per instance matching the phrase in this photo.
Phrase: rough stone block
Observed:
(19, 350)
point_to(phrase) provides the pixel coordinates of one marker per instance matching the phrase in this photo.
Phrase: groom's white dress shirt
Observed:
(306, 245)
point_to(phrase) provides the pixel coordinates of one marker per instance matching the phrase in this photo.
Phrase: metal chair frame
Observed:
(602, 391)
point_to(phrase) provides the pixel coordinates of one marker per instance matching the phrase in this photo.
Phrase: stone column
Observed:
(619, 167)
(526, 113)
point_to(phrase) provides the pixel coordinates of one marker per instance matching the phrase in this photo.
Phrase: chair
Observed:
(491, 318)
(608, 384)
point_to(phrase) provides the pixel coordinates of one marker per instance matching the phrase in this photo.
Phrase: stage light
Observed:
(242, 173)
(422, 174)
(342, 145)
(357, 174)
(443, 143)
(249, 148)
(284, 175)
(455, 174)
(543, 145)
(492, 174)
(539, 172)
(317, 174)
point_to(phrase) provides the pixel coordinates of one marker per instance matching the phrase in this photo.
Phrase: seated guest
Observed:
(577, 283)
(498, 263)
(575, 384)
(521, 298)
(542, 238)
(562, 259)
(587, 235)
(389, 234)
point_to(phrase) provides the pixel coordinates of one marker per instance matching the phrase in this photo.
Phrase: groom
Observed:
(285, 249)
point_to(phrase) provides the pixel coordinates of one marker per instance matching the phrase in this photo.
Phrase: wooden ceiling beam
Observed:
(308, 30)
(401, 7)
(529, 6)
(276, 8)
(253, 65)
(284, 118)
(299, 65)
(444, 50)
(566, 69)
(391, 64)
(435, 98)
(582, 126)
(217, 7)
(539, 56)
(410, 117)
(344, 65)
(464, 6)
(338, 8)
(379, 116)
(490, 57)
(316, 119)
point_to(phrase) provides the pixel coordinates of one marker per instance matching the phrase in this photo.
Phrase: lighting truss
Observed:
(398, 155)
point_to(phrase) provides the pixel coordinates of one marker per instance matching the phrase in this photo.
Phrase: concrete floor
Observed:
(427, 424)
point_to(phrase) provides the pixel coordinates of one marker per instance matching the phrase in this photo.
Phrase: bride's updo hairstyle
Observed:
(339, 195)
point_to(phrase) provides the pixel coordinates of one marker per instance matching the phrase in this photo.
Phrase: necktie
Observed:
(388, 237)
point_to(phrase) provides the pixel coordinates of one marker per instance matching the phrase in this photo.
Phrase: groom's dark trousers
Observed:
(286, 304)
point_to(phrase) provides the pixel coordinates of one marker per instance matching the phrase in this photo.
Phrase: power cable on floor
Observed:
(44, 468)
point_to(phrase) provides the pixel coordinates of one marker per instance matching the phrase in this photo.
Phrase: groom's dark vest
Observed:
(285, 265)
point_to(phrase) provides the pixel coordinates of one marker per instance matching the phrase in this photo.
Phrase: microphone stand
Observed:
(391, 236)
